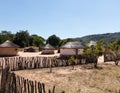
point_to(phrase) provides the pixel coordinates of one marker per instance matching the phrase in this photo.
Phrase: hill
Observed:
(108, 37)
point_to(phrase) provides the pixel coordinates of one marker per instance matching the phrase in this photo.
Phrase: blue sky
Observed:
(65, 18)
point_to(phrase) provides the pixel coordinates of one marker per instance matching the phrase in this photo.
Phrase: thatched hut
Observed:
(8, 49)
(71, 48)
(29, 49)
(48, 49)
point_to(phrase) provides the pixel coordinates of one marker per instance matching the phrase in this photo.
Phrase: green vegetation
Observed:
(108, 37)
(64, 41)
(114, 50)
(53, 40)
(72, 60)
(37, 40)
(22, 38)
(6, 35)
(93, 52)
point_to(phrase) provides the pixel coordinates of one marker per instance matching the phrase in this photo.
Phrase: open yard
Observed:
(80, 80)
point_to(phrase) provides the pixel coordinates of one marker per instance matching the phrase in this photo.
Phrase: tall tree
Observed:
(6, 35)
(114, 50)
(93, 52)
(37, 40)
(53, 40)
(22, 38)
(62, 42)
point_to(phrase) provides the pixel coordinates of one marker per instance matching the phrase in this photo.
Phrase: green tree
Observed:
(73, 60)
(22, 38)
(37, 40)
(114, 50)
(93, 52)
(53, 40)
(64, 41)
(6, 35)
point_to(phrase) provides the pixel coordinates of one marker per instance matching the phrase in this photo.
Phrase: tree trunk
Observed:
(116, 62)
(72, 67)
(95, 62)
(95, 65)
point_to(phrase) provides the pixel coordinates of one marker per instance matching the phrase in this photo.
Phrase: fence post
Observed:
(10, 83)
(63, 92)
(4, 77)
(39, 88)
(0, 77)
(43, 85)
(53, 89)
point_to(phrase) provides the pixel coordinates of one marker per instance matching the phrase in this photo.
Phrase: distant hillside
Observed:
(109, 37)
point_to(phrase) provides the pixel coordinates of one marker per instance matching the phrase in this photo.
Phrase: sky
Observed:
(64, 18)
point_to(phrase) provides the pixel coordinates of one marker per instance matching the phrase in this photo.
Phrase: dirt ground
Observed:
(33, 54)
(83, 79)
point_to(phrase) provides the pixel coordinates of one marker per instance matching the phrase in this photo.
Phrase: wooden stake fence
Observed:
(12, 83)
(19, 63)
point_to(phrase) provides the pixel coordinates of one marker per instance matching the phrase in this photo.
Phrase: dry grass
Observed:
(80, 80)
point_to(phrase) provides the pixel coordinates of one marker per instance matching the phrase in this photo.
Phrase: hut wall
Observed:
(8, 51)
(70, 51)
(67, 51)
(80, 51)
(101, 59)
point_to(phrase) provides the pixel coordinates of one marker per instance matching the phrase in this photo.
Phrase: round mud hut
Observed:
(71, 48)
(48, 49)
(8, 49)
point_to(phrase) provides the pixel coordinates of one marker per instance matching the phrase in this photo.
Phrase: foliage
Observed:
(107, 37)
(64, 41)
(115, 46)
(53, 40)
(22, 38)
(37, 40)
(6, 35)
(93, 52)
(72, 60)
(114, 50)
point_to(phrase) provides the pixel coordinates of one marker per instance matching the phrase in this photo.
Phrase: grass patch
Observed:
(80, 80)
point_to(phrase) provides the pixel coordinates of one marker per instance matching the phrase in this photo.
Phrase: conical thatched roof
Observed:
(8, 44)
(48, 46)
(75, 44)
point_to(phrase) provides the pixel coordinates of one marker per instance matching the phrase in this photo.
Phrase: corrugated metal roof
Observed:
(8, 44)
(75, 44)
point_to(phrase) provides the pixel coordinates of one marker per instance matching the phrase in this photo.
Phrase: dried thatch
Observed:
(75, 45)
(30, 49)
(48, 47)
(8, 44)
